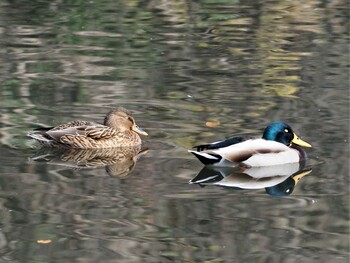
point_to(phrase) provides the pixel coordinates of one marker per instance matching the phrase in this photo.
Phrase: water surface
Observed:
(191, 73)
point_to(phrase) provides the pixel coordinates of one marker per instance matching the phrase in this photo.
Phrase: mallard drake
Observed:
(278, 145)
(118, 130)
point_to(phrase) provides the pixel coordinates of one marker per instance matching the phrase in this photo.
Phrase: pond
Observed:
(191, 72)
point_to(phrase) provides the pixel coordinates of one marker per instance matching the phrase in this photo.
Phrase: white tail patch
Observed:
(205, 155)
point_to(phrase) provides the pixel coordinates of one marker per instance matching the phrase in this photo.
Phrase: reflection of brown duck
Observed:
(119, 130)
(277, 180)
(119, 162)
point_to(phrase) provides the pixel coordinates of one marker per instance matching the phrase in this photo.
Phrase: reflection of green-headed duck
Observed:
(278, 145)
(278, 180)
(119, 130)
(287, 186)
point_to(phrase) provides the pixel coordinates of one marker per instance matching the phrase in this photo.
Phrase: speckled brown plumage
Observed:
(119, 130)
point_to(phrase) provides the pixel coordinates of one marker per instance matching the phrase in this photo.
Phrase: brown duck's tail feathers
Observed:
(207, 158)
(40, 136)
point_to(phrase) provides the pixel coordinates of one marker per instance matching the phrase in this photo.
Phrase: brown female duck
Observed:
(118, 130)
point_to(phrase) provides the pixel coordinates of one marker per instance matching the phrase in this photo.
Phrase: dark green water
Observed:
(180, 67)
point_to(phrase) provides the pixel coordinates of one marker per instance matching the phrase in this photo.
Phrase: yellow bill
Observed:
(297, 177)
(296, 140)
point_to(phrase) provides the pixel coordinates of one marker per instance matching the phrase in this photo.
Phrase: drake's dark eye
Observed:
(286, 130)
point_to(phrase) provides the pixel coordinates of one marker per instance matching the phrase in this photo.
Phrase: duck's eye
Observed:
(286, 130)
